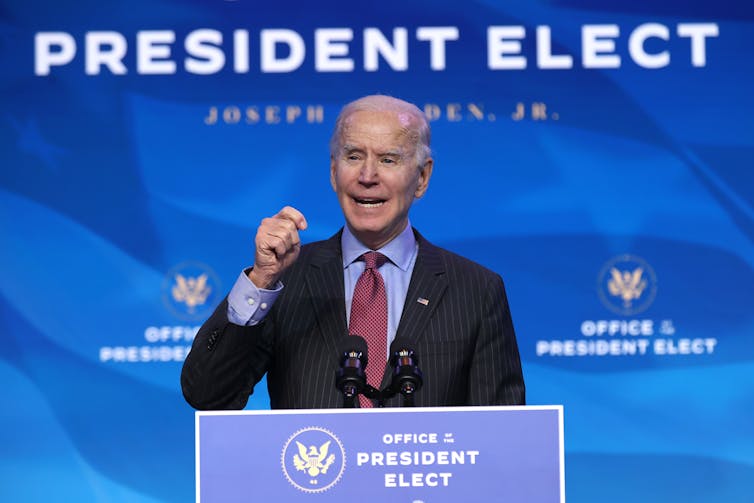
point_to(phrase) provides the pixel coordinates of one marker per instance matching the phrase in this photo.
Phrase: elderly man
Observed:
(377, 277)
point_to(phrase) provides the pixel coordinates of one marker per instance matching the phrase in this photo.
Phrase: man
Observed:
(287, 315)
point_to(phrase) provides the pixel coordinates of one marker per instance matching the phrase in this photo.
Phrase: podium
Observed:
(445, 454)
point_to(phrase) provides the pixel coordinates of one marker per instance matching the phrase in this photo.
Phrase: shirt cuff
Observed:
(249, 304)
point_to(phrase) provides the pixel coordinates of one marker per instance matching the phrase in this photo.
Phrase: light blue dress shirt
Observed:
(248, 305)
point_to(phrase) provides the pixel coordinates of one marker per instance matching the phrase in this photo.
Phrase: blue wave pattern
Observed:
(109, 182)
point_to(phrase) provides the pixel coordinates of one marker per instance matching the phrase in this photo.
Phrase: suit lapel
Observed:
(425, 290)
(427, 286)
(325, 283)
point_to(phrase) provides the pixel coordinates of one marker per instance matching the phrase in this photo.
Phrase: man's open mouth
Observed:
(369, 203)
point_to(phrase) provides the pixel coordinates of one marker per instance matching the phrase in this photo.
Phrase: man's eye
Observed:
(353, 157)
(388, 160)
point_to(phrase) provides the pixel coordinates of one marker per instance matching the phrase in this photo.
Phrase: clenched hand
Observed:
(277, 246)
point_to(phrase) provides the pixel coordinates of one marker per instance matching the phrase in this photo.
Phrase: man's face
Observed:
(375, 174)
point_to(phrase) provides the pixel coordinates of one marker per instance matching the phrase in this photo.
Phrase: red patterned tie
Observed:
(369, 318)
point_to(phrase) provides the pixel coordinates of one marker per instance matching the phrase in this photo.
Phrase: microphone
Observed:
(407, 377)
(352, 361)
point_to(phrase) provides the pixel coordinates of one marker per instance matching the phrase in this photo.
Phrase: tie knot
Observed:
(373, 259)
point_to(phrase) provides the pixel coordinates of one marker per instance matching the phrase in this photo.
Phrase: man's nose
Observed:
(368, 173)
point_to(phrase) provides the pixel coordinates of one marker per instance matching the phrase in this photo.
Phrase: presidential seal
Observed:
(190, 290)
(313, 460)
(627, 285)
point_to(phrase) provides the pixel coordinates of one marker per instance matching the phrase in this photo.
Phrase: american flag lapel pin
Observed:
(423, 301)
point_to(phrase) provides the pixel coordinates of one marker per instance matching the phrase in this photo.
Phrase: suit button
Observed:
(212, 340)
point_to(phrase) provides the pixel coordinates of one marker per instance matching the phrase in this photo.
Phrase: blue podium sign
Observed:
(512, 454)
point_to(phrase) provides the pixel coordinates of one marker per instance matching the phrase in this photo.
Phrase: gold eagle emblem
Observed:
(315, 461)
(628, 285)
(192, 291)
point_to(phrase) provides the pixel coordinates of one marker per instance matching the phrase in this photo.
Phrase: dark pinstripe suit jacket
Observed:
(463, 337)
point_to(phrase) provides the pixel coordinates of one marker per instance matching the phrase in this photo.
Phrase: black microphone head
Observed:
(354, 346)
(402, 347)
(407, 377)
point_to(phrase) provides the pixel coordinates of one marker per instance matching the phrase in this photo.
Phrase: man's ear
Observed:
(332, 172)
(425, 173)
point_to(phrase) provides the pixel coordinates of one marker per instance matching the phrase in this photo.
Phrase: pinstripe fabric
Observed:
(463, 336)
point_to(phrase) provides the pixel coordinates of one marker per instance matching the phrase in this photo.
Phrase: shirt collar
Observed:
(399, 251)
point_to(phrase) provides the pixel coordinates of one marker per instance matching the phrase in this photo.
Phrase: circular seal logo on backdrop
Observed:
(313, 460)
(627, 285)
(190, 290)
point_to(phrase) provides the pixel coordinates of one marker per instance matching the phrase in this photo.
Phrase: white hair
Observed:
(419, 127)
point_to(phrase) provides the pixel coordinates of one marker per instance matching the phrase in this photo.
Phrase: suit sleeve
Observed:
(495, 375)
(226, 361)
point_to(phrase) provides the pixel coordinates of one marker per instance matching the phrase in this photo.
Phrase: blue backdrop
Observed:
(597, 155)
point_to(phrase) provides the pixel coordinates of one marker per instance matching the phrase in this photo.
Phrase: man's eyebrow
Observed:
(353, 148)
(392, 153)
